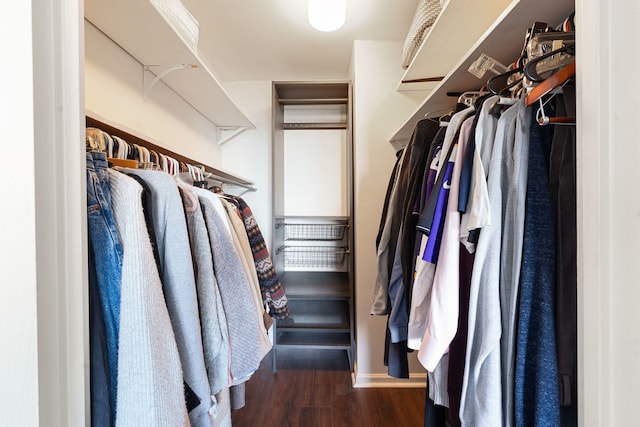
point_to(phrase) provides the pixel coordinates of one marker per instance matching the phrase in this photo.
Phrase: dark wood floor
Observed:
(313, 389)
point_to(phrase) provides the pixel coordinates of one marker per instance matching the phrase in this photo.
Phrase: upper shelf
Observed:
(502, 41)
(311, 93)
(137, 27)
(458, 26)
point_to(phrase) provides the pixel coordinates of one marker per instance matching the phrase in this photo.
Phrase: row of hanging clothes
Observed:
(476, 250)
(182, 291)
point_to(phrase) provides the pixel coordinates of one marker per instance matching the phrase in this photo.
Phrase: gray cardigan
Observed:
(179, 285)
(237, 301)
(215, 339)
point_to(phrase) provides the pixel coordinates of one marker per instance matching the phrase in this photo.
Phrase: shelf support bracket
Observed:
(226, 134)
(163, 71)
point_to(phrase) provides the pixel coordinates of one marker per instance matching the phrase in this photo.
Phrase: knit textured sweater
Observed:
(272, 291)
(537, 400)
(235, 290)
(179, 286)
(215, 339)
(150, 387)
(241, 243)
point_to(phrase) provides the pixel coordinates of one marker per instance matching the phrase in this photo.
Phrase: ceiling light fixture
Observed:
(327, 15)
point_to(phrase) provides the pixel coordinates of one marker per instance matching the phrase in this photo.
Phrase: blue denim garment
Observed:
(101, 411)
(107, 250)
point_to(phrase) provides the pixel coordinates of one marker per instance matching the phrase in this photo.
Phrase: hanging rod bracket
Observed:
(226, 134)
(159, 71)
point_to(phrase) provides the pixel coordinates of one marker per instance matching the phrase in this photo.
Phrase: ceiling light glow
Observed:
(327, 15)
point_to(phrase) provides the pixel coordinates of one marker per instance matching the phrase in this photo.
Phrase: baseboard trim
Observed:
(385, 381)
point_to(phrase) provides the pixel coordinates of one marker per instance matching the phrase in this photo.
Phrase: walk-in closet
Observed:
(419, 213)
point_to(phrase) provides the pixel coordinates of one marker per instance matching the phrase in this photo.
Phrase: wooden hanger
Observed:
(552, 82)
(125, 163)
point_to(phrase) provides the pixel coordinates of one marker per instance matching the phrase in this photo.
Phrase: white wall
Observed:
(114, 90)
(43, 325)
(249, 154)
(315, 172)
(379, 110)
(18, 306)
(608, 213)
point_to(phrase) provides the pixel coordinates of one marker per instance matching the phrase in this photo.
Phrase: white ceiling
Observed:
(272, 40)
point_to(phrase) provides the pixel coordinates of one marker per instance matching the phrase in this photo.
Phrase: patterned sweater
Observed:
(272, 290)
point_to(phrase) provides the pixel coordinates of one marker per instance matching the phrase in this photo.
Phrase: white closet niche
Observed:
(315, 172)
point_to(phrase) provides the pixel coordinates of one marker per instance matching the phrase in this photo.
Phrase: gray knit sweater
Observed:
(215, 339)
(150, 387)
(179, 285)
(235, 290)
(241, 243)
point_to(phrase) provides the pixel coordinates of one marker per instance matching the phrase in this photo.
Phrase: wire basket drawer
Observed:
(321, 232)
(314, 257)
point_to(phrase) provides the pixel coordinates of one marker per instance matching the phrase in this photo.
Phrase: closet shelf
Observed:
(138, 28)
(311, 93)
(502, 41)
(458, 26)
(328, 340)
(313, 101)
(301, 126)
(316, 285)
(322, 315)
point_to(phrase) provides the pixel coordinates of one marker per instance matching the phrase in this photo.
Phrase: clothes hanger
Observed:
(541, 116)
(109, 143)
(439, 116)
(503, 101)
(469, 98)
(554, 81)
(95, 140)
(544, 120)
(530, 68)
(519, 65)
(504, 76)
(125, 163)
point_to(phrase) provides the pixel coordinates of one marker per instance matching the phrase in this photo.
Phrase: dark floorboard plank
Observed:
(317, 417)
(313, 389)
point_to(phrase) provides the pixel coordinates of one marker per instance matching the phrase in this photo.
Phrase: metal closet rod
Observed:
(213, 177)
(210, 172)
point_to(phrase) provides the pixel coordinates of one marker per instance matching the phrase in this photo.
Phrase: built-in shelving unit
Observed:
(501, 41)
(314, 264)
(138, 27)
(312, 250)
